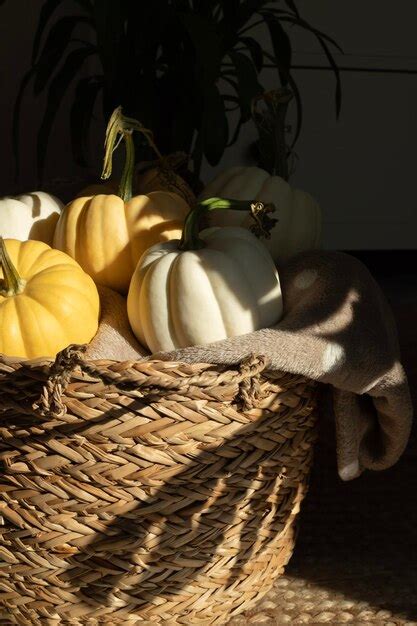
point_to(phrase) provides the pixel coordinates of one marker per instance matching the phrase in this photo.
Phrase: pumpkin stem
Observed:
(11, 284)
(121, 127)
(259, 211)
(126, 181)
(269, 111)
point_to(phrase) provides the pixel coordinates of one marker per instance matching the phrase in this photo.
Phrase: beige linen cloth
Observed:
(337, 329)
(114, 339)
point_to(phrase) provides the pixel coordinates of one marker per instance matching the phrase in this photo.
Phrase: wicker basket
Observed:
(149, 492)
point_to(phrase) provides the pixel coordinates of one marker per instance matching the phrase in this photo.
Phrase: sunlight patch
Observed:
(350, 471)
(306, 279)
(332, 357)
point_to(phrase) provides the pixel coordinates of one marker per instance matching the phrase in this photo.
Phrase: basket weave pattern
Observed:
(149, 492)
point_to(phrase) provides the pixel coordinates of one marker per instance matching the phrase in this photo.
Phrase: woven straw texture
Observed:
(150, 492)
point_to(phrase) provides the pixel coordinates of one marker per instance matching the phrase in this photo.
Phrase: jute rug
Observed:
(356, 555)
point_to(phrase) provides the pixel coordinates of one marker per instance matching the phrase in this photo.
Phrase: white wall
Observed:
(363, 167)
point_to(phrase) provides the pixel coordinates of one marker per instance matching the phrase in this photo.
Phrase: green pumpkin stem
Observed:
(118, 129)
(259, 211)
(11, 284)
(269, 111)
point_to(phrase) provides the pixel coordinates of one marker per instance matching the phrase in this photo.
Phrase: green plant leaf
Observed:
(229, 98)
(236, 132)
(291, 5)
(182, 5)
(81, 114)
(298, 102)
(197, 154)
(306, 26)
(233, 83)
(207, 45)
(215, 129)
(204, 7)
(322, 38)
(281, 46)
(247, 10)
(109, 19)
(16, 117)
(48, 9)
(322, 35)
(56, 93)
(230, 11)
(248, 85)
(86, 5)
(54, 49)
(299, 109)
(181, 114)
(336, 71)
(255, 50)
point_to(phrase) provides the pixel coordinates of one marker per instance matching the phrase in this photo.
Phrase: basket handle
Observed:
(50, 403)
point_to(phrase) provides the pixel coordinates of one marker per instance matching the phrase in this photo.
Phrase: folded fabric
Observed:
(114, 339)
(337, 329)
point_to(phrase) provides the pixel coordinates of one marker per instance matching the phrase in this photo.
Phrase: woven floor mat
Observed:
(356, 555)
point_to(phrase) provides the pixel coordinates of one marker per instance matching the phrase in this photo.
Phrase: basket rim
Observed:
(53, 377)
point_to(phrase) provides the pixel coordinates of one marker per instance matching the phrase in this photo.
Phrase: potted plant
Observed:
(180, 66)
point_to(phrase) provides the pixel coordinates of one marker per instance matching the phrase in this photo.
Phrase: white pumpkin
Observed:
(299, 217)
(30, 216)
(227, 288)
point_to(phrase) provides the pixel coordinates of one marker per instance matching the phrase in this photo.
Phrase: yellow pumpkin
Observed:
(107, 234)
(46, 300)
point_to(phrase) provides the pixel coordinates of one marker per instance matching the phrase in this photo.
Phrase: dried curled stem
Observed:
(119, 128)
(263, 223)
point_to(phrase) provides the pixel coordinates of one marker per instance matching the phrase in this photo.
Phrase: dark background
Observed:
(361, 168)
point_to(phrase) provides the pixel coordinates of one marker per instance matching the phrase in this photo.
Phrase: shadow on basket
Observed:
(161, 507)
